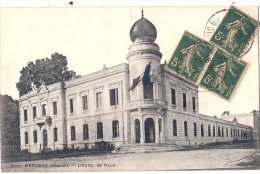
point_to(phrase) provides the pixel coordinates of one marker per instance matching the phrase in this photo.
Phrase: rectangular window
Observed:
(85, 132)
(148, 91)
(174, 124)
(34, 112)
(85, 102)
(25, 115)
(214, 133)
(115, 128)
(184, 101)
(26, 137)
(195, 129)
(202, 130)
(209, 131)
(34, 136)
(193, 103)
(231, 133)
(99, 100)
(54, 106)
(71, 105)
(55, 134)
(73, 133)
(173, 96)
(226, 132)
(222, 132)
(99, 130)
(113, 96)
(185, 128)
(44, 110)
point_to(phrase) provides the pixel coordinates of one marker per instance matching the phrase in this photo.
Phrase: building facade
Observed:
(100, 106)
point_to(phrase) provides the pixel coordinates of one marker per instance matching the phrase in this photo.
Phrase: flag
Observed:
(146, 77)
(135, 82)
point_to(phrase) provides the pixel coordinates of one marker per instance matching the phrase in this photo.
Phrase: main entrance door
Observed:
(137, 131)
(45, 138)
(149, 131)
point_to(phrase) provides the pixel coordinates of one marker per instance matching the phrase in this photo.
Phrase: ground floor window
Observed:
(99, 130)
(185, 128)
(219, 132)
(226, 132)
(55, 134)
(115, 128)
(202, 130)
(214, 133)
(35, 136)
(222, 132)
(209, 131)
(195, 129)
(85, 132)
(174, 124)
(73, 133)
(26, 137)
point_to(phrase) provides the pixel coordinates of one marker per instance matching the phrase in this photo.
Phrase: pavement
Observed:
(205, 159)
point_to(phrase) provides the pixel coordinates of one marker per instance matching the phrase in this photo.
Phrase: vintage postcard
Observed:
(129, 88)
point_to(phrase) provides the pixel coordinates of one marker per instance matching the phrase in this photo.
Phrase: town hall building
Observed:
(135, 103)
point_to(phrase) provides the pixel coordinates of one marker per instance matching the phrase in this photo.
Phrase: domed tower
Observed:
(146, 105)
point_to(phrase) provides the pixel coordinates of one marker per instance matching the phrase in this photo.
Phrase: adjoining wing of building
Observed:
(100, 107)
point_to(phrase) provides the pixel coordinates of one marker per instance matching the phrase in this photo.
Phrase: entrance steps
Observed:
(148, 148)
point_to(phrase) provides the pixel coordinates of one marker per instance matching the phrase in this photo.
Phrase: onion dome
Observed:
(143, 28)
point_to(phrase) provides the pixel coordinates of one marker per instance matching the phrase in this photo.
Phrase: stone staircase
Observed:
(148, 148)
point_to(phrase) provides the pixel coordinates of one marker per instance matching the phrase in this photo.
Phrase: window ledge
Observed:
(99, 110)
(174, 106)
(185, 109)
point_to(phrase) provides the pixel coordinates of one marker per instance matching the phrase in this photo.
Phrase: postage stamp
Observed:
(223, 74)
(190, 57)
(236, 32)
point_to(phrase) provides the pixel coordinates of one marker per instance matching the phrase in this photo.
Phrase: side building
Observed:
(161, 107)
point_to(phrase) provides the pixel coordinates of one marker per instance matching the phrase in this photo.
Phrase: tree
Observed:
(45, 70)
(10, 121)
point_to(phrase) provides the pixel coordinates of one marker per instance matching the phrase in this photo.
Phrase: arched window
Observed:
(185, 128)
(195, 129)
(174, 124)
(202, 130)
(209, 131)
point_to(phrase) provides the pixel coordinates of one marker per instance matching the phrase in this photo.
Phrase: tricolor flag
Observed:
(135, 83)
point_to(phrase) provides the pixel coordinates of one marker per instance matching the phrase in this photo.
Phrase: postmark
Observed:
(223, 74)
(190, 57)
(236, 32)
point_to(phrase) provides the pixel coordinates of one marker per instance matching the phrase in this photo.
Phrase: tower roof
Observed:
(143, 28)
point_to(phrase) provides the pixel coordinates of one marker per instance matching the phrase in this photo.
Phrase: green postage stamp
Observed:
(190, 57)
(236, 32)
(223, 74)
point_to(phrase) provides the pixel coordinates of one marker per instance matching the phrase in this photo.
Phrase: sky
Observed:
(93, 36)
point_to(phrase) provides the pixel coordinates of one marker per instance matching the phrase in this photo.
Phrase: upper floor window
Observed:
(71, 105)
(185, 128)
(174, 124)
(55, 109)
(195, 129)
(43, 109)
(194, 103)
(173, 96)
(73, 133)
(99, 130)
(26, 138)
(113, 96)
(184, 104)
(115, 128)
(55, 134)
(85, 132)
(99, 100)
(35, 136)
(25, 115)
(85, 102)
(202, 130)
(34, 112)
(148, 91)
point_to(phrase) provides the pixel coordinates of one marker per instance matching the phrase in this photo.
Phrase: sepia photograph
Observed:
(129, 88)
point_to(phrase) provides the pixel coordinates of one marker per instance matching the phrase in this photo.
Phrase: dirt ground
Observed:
(177, 160)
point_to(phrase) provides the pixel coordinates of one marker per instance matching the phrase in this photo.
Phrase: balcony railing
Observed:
(146, 103)
(42, 120)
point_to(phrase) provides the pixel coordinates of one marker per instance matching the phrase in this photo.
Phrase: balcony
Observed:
(146, 103)
(42, 120)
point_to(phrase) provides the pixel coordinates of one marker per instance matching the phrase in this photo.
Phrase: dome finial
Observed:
(142, 13)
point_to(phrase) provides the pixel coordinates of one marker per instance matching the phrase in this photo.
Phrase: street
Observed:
(177, 160)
